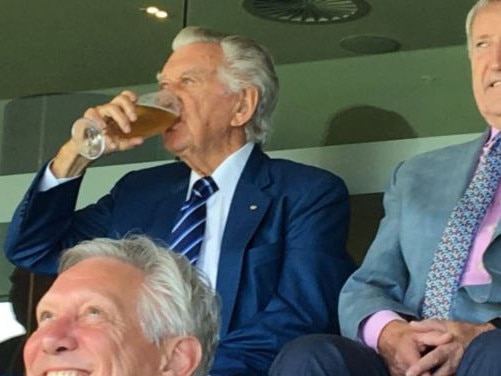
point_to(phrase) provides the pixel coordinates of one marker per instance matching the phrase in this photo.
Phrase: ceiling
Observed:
(54, 46)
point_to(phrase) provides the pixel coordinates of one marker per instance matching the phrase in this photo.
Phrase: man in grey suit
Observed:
(384, 305)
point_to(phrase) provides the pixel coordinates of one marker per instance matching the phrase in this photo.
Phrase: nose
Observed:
(58, 338)
(496, 58)
(170, 99)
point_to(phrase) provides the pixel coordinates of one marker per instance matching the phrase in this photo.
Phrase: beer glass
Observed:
(156, 112)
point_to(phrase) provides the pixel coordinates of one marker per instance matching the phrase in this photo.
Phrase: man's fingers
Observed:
(428, 325)
(433, 339)
(125, 101)
(114, 144)
(434, 359)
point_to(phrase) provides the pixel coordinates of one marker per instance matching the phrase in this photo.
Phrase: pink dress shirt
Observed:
(474, 273)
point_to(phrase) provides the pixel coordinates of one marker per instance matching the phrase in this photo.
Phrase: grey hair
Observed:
(247, 64)
(480, 4)
(175, 299)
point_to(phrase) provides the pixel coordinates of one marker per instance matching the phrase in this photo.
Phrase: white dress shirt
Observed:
(226, 177)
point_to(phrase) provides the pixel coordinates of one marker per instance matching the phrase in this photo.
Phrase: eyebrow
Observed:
(193, 71)
(85, 297)
(482, 36)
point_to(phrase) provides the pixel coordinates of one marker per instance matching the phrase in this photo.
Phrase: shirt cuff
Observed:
(49, 181)
(372, 327)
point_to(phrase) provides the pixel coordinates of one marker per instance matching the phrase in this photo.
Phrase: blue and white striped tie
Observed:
(188, 233)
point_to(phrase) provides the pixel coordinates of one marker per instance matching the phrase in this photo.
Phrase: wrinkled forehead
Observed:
(485, 17)
(203, 57)
(104, 274)
(105, 282)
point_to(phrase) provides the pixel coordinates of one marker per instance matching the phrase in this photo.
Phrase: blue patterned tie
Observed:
(454, 247)
(188, 233)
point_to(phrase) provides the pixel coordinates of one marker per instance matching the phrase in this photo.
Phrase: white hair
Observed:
(247, 64)
(175, 298)
(480, 4)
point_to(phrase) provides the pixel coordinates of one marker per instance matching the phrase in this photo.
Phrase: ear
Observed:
(182, 356)
(245, 106)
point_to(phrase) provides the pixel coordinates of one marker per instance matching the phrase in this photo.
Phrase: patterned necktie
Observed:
(188, 233)
(457, 239)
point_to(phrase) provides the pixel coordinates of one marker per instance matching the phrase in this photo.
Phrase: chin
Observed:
(493, 118)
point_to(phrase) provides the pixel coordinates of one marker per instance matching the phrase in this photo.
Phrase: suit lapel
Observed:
(170, 188)
(248, 207)
(459, 175)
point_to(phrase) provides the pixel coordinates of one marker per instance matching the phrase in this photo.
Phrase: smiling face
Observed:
(211, 127)
(88, 325)
(485, 55)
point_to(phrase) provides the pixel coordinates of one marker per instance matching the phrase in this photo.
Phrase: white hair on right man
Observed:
(480, 4)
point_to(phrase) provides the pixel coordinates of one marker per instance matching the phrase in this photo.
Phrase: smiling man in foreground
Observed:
(124, 307)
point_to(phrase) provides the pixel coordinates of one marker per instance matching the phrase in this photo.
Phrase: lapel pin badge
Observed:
(253, 207)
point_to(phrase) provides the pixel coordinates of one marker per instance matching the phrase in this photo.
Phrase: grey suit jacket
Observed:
(422, 193)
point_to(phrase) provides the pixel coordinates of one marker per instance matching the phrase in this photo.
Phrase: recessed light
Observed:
(152, 10)
(161, 14)
(155, 11)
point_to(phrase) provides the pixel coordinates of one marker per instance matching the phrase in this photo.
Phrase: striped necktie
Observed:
(453, 250)
(188, 233)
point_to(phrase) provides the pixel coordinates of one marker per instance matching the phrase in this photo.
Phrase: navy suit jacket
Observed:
(282, 263)
(422, 194)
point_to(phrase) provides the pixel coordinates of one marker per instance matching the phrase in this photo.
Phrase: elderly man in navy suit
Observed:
(275, 231)
(427, 298)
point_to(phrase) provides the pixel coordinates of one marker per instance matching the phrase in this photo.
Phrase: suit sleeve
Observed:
(315, 266)
(381, 281)
(46, 223)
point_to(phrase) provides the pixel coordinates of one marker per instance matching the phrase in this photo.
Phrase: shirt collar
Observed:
(227, 174)
(493, 133)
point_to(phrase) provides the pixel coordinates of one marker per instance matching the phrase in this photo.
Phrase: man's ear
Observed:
(245, 106)
(182, 356)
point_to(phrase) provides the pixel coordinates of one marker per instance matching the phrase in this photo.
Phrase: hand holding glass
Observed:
(156, 112)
